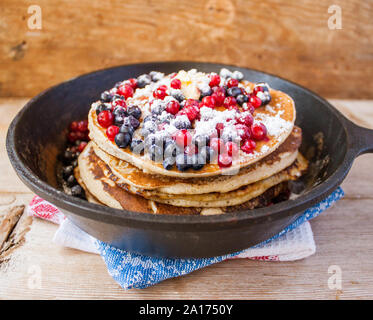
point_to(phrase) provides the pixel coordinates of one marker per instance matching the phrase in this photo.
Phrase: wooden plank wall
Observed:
(288, 38)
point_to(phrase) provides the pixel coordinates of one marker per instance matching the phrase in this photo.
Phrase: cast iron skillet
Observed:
(37, 135)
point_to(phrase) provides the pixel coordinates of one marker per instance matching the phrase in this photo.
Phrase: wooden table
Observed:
(343, 235)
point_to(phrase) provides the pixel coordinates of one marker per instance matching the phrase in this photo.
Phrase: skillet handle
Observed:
(361, 138)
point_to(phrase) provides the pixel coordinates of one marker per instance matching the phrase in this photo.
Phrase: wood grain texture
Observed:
(343, 236)
(288, 38)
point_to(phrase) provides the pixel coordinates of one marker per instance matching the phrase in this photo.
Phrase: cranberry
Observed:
(243, 131)
(82, 145)
(111, 132)
(232, 83)
(219, 128)
(246, 119)
(224, 160)
(105, 118)
(83, 126)
(231, 148)
(72, 136)
(159, 93)
(190, 150)
(173, 107)
(214, 80)
(229, 101)
(133, 83)
(118, 102)
(125, 90)
(248, 146)
(175, 84)
(259, 131)
(183, 138)
(249, 107)
(255, 101)
(209, 101)
(217, 145)
(73, 126)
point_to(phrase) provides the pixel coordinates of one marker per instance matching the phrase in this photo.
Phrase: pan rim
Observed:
(103, 213)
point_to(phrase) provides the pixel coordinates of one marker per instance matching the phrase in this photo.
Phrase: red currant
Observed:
(257, 89)
(224, 160)
(214, 80)
(246, 119)
(232, 83)
(255, 101)
(183, 138)
(192, 112)
(73, 126)
(125, 90)
(229, 101)
(173, 107)
(217, 145)
(175, 84)
(83, 126)
(105, 118)
(231, 148)
(71, 136)
(81, 146)
(248, 146)
(259, 131)
(209, 101)
(159, 93)
(111, 132)
(133, 83)
(118, 102)
(243, 131)
(219, 97)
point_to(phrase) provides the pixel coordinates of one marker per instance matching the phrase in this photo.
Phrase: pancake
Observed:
(280, 159)
(278, 116)
(105, 192)
(90, 164)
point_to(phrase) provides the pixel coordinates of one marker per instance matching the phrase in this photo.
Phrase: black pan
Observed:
(37, 135)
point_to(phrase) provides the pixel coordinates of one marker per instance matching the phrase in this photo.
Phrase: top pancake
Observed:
(278, 116)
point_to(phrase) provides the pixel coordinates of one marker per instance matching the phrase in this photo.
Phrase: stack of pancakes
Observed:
(121, 179)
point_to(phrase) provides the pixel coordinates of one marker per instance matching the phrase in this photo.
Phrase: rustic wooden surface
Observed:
(343, 234)
(82, 36)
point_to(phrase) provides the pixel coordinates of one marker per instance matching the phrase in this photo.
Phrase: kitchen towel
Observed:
(133, 270)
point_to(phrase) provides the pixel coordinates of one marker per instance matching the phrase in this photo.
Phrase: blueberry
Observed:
(77, 191)
(154, 139)
(118, 120)
(198, 162)
(148, 128)
(171, 150)
(201, 140)
(183, 162)
(67, 171)
(234, 91)
(207, 154)
(101, 107)
(157, 109)
(241, 99)
(117, 97)
(178, 95)
(119, 111)
(149, 118)
(122, 139)
(133, 122)
(143, 80)
(156, 76)
(134, 111)
(137, 146)
(68, 156)
(181, 124)
(155, 153)
(106, 96)
(205, 91)
(168, 163)
(74, 163)
(70, 181)
(125, 128)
